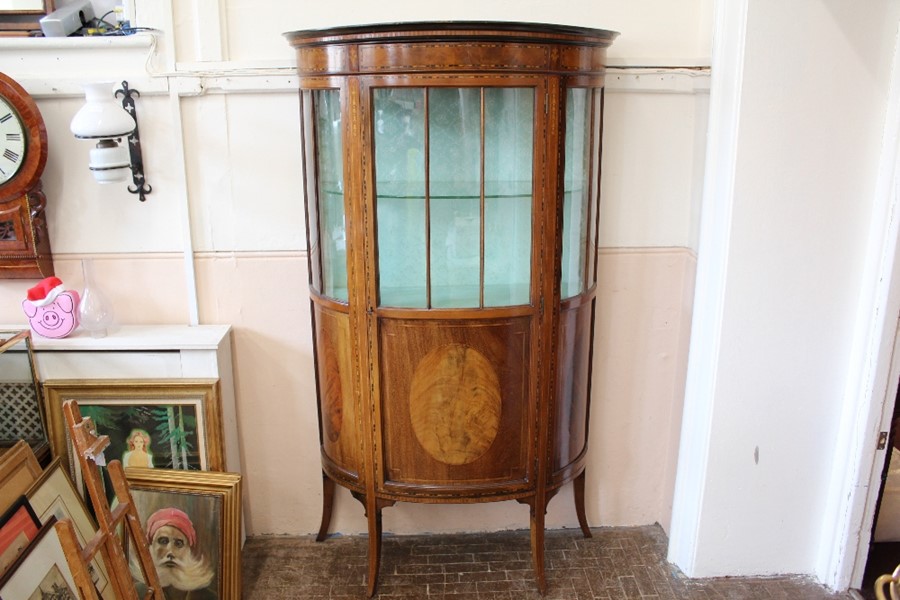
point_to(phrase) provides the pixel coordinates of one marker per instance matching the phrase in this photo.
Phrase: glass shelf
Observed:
(455, 296)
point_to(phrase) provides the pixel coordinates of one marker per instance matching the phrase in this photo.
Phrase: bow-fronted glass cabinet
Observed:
(452, 187)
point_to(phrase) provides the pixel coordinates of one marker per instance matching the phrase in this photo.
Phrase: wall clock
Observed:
(24, 242)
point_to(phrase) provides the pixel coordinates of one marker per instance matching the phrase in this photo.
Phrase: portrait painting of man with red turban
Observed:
(182, 534)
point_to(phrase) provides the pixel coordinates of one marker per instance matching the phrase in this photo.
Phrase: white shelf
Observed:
(143, 352)
(135, 338)
(59, 67)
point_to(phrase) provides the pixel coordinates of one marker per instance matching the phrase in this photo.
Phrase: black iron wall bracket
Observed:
(141, 187)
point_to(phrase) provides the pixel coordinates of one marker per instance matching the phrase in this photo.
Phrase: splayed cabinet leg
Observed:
(327, 505)
(579, 505)
(374, 518)
(537, 547)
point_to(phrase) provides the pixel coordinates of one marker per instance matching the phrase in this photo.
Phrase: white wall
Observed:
(811, 111)
(653, 33)
(219, 89)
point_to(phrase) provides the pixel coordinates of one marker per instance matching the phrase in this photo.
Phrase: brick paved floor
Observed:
(616, 564)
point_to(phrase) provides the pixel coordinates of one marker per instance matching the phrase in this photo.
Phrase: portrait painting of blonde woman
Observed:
(138, 453)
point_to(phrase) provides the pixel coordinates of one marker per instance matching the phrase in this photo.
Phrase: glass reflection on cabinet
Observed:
(454, 196)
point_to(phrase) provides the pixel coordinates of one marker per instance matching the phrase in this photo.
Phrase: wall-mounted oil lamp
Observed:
(104, 120)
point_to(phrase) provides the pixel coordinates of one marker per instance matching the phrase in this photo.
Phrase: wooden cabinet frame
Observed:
(386, 374)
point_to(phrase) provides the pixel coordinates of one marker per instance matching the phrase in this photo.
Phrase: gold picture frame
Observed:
(19, 468)
(179, 421)
(21, 407)
(201, 513)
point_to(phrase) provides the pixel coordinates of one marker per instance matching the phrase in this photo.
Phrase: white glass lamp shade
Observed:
(102, 116)
(110, 162)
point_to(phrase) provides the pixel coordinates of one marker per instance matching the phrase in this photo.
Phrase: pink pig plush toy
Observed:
(52, 310)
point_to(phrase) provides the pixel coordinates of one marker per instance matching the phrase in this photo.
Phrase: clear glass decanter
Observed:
(95, 311)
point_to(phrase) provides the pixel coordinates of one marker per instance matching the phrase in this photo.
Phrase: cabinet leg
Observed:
(327, 505)
(579, 505)
(537, 546)
(374, 518)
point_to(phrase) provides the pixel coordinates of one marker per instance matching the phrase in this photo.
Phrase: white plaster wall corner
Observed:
(715, 228)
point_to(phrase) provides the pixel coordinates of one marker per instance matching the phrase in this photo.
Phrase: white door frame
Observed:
(874, 365)
(873, 374)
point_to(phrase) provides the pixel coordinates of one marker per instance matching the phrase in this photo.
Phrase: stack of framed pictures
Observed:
(168, 435)
(32, 562)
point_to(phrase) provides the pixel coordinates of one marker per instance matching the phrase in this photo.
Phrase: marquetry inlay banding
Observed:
(455, 404)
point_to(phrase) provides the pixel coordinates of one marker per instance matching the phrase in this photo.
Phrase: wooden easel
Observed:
(88, 447)
(77, 559)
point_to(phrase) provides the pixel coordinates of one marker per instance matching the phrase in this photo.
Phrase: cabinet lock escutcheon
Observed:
(882, 440)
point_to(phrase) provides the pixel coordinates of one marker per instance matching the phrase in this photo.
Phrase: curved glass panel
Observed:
(594, 215)
(576, 191)
(454, 196)
(330, 178)
(311, 190)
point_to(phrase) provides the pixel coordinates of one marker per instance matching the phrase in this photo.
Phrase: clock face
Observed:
(12, 141)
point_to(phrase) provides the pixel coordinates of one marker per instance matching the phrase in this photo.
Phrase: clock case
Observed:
(24, 240)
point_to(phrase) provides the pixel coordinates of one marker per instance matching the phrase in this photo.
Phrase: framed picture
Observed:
(18, 526)
(161, 423)
(21, 416)
(18, 470)
(193, 526)
(41, 572)
(23, 16)
(54, 496)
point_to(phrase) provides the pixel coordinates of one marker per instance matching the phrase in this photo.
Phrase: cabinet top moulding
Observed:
(423, 46)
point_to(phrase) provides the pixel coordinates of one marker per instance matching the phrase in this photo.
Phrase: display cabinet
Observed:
(452, 188)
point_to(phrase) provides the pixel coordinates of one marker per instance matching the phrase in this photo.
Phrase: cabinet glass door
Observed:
(454, 196)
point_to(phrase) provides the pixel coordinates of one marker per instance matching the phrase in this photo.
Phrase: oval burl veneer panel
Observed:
(455, 404)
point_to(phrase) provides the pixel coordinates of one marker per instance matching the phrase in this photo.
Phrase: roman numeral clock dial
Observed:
(24, 240)
(12, 141)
